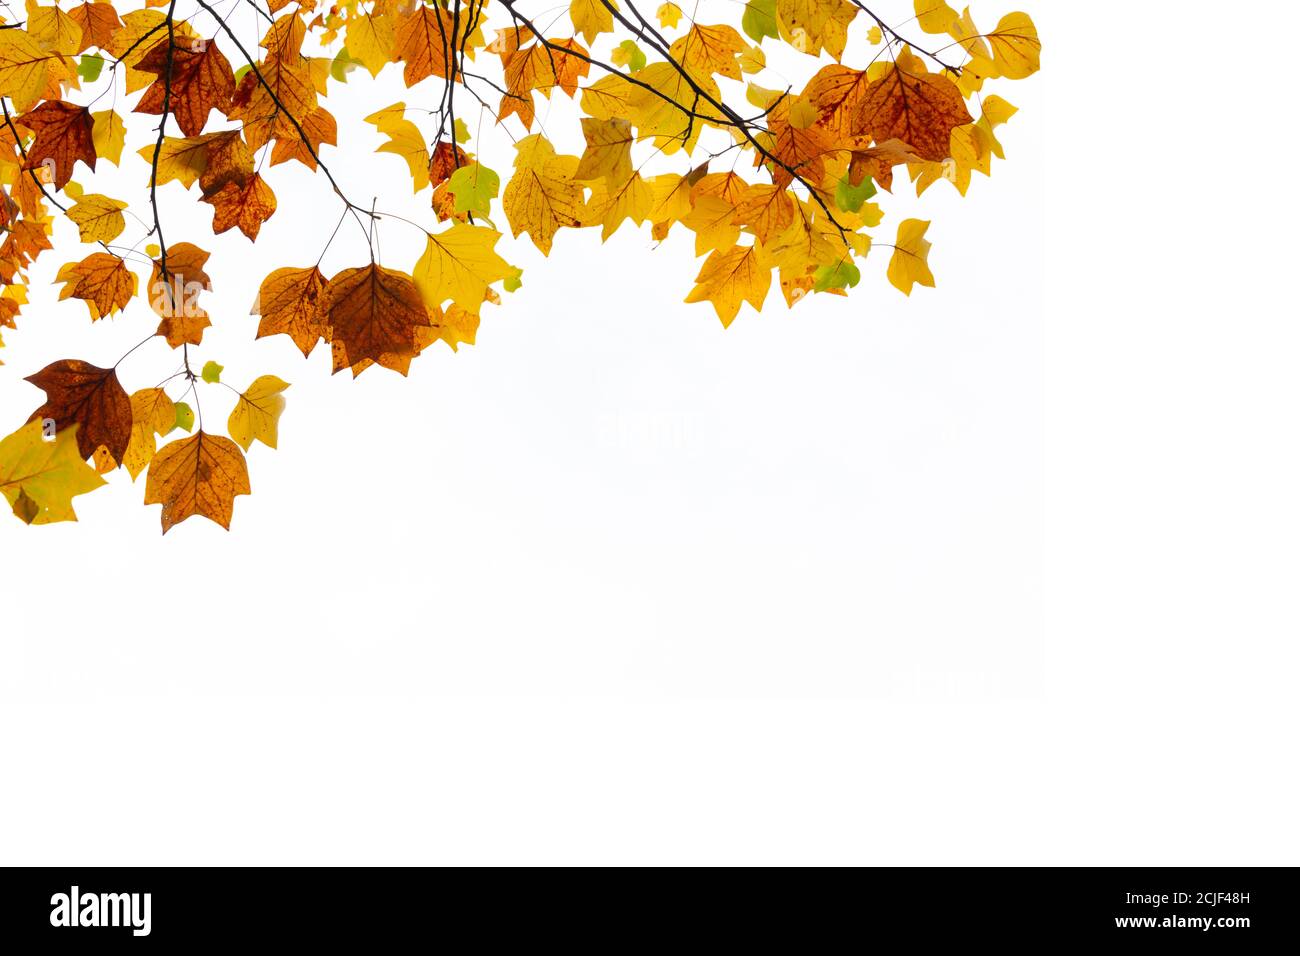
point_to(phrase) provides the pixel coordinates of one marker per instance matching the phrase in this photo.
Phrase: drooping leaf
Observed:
(257, 413)
(199, 475)
(39, 477)
(81, 394)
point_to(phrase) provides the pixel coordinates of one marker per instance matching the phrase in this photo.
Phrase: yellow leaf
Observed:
(152, 414)
(542, 197)
(591, 17)
(910, 262)
(39, 478)
(370, 40)
(730, 277)
(404, 140)
(23, 68)
(257, 413)
(612, 204)
(459, 264)
(669, 14)
(811, 26)
(109, 135)
(98, 218)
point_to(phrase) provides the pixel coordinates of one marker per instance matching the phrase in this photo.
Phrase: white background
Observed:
(617, 586)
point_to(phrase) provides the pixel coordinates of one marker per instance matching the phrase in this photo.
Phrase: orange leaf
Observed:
(201, 81)
(65, 133)
(199, 475)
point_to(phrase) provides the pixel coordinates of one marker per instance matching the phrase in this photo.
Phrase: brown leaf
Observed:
(446, 159)
(64, 134)
(373, 313)
(922, 110)
(201, 81)
(246, 206)
(78, 393)
(290, 302)
(199, 475)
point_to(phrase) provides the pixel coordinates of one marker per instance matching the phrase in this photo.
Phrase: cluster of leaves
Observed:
(678, 130)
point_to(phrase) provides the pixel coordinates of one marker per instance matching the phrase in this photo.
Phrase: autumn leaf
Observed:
(199, 475)
(98, 22)
(81, 394)
(98, 218)
(291, 302)
(257, 413)
(39, 478)
(246, 205)
(458, 265)
(910, 264)
(730, 277)
(101, 280)
(200, 81)
(920, 110)
(65, 135)
(152, 413)
(373, 313)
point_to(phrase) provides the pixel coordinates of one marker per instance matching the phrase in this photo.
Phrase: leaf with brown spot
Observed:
(291, 302)
(65, 133)
(373, 313)
(922, 110)
(201, 81)
(101, 280)
(246, 206)
(199, 475)
(78, 393)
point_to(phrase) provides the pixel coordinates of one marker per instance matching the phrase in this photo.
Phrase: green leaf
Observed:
(850, 197)
(88, 67)
(842, 275)
(212, 372)
(461, 130)
(513, 281)
(342, 65)
(474, 187)
(184, 416)
(759, 20)
(628, 54)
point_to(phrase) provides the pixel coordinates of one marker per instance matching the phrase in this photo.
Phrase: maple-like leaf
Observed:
(246, 205)
(199, 475)
(910, 263)
(152, 414)
(90, 397)
(373, 313)
(920, 110)
(98, 22)
(98, 218)
(201, 80)
(291, 302)
(101, 280)
(730, 277)
(458, 265)
(65, 135)
(542, 195)
(39, 478)
(257, 413)
(24, 68)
